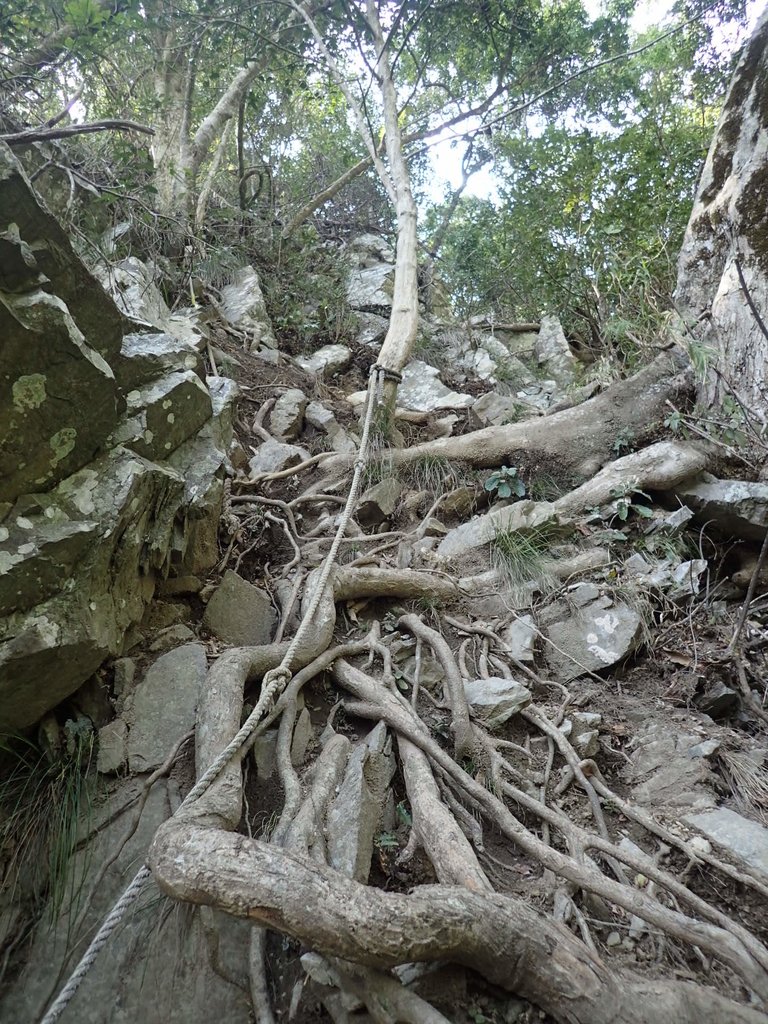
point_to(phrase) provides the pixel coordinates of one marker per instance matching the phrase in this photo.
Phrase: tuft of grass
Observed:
(747, 781)
(524, 556)
(544, 487)
(44, 798)
(432, 473)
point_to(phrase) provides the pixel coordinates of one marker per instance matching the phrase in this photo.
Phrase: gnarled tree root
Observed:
(498, 936)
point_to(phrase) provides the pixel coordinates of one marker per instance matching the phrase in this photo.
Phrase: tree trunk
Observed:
(722, 285)
(404, 319)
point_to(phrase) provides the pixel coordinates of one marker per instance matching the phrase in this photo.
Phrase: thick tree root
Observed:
(580, 439)
(199, 858)
(500, 937)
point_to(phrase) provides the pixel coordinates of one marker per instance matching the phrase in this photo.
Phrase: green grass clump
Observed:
(44, 798)
(524, 556)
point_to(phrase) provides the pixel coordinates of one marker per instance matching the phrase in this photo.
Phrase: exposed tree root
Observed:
(286, 884)
(500, 937)
(580, 438)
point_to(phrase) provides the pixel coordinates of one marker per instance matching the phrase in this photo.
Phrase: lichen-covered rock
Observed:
(164, 413)
(588, 631)
(423, 390)
(87, 525)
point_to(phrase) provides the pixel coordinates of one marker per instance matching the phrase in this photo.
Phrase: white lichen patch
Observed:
(29, 391)
(607, 623)
(27, 549)
(171, 418)
(607, 657)
(24, 524)
(7, 561)
(4, 534)
(62, 443)
(47, 631)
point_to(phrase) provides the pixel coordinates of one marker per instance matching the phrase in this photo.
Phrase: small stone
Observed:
(240, 613)
(704, 749)
(274, 456)
(379, 502)
(173, 636)
(113, 749)
(700, 845)
(719, 701)
(614, 939)
(496, 699)
(287, 416)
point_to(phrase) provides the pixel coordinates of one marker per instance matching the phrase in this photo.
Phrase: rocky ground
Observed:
(536, 693)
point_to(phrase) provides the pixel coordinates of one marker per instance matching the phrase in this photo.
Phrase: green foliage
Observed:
(505, 482)
(624, 442)
(44, 799)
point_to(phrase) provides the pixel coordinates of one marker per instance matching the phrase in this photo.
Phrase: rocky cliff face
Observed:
(112, 452)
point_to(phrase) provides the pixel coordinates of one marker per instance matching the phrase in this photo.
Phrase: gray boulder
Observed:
(496, 699)
(326, 361)
(287, 417)
(242, 305)
(240, 613)
(735, 507)
(588, 631)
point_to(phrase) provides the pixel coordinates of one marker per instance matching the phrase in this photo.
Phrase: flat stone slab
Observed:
(240, 613)
(744, 839)
(737, 507)
(163, 705)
